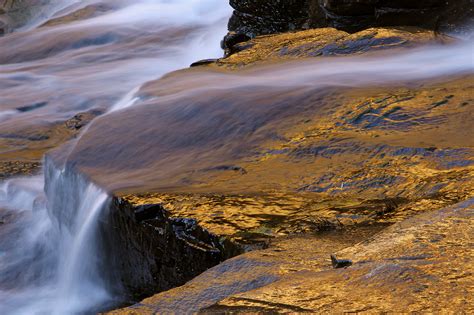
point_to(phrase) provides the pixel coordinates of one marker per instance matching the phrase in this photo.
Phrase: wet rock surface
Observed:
(420, 264)
(22, 149)
(221, 175)
(342, 160)
(324, 42)
(150, 251)
(250, 271)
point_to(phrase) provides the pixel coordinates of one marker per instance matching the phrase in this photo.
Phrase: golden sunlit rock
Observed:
(309, 170)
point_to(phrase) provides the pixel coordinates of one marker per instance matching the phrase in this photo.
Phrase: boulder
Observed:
(354, 15)
(254, 17)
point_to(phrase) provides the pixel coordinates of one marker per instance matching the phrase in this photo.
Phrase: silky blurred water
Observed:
(49, 252)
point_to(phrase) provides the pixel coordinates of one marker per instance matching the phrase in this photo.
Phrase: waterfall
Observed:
(53, 260)
(50, 244)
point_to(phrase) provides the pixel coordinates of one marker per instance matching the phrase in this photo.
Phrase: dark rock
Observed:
(256, 17)
(150, 251)
(340, 263)
(355, 15)
(231, 40)
(203, 62)
(234, 168)
(31, 107)
(80, 120)
(260, 17)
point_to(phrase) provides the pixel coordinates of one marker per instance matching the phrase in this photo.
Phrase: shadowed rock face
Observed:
(266, 17)
(255, 17)
(434, 14)
(150, 251)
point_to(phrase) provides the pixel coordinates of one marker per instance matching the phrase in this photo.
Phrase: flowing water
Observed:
(49, 254)
(189, 123)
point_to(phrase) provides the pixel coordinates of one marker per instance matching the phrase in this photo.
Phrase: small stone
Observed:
(203, 62)
(340, 263)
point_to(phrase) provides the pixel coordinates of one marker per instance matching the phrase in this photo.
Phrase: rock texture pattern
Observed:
(150, 251)
(419, 265)
(255, 17)
(441, 15)
(254, 171)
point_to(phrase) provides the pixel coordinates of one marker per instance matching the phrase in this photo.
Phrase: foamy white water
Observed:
(46, 265)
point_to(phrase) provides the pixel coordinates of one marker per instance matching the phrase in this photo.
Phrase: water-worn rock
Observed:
(23, 147)
(327, 42)
(419, 265)
(253, 161)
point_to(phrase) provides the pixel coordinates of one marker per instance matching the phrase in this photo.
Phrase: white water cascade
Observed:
(49, 252)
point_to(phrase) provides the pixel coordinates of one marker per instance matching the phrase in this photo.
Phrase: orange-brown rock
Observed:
(327, 42)
(422, 264)
(256, 161)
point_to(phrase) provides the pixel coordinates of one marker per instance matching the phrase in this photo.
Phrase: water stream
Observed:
(49, 254)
